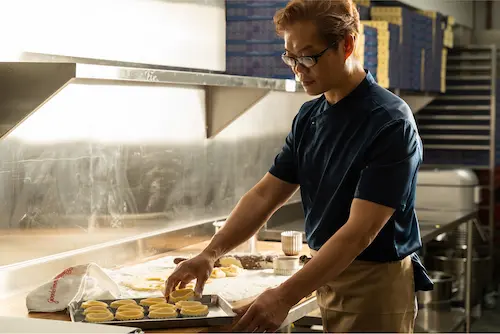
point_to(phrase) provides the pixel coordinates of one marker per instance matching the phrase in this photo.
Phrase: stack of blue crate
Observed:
(439, 27)
(403, 17)
(394, 55)
(252, 46)
(421, 51)
(371, 50)
(497, 124)
(364, 12)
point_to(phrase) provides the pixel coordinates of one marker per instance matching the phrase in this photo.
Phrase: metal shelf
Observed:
(454, 166)
(456, 151)
(468, 57)
(456, 107)
(464, 97)
(456, 137)
(456, 117)
(469, 68)
(457, 147)
(453, 127)
(467, 87)
(468, 77)
(29, 84)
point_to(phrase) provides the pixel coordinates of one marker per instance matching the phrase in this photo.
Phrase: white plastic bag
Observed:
(82, 282)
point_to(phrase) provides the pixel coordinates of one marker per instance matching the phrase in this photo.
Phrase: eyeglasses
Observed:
(306, 61)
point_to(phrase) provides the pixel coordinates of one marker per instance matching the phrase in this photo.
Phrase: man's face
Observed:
(302, 39)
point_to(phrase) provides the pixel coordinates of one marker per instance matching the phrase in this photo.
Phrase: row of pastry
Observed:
(156, 308)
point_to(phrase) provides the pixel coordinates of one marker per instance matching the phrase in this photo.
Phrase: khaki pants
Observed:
(370, 297)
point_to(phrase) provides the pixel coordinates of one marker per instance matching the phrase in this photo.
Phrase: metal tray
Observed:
(219, 314)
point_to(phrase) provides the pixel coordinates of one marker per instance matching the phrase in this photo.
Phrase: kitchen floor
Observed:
(489, 321)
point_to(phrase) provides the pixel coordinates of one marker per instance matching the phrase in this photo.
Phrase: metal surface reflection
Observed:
(128, 158)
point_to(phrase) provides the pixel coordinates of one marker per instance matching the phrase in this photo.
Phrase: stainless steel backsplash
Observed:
(90, 186)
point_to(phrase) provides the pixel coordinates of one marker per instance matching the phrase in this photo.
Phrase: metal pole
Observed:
(468, 276)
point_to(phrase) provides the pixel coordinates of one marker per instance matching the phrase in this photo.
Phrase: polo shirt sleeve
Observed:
(393, 160)
(284, 166)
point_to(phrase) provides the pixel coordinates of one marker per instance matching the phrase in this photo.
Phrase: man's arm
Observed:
(251, 212)
(258, 204)
(365, 222)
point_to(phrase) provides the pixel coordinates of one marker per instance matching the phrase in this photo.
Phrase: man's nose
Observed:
(300, 69)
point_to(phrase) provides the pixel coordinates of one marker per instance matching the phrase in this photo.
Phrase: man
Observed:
(354, 152)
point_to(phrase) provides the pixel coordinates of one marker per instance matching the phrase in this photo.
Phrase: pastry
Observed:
(152, 301)
(156, 278)
(144, 285)
(90, 303)
(99, 317)
(130, 307)
(129, 315)
(187, 303)
(181, 294)
(195, 311)
(231, 271)
(95, 309)
(121, 302)
(165, 312)
(161, 305)
(228, 261)
(218, 273)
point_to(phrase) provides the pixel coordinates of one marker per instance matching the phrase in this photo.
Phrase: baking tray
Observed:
(219, 314)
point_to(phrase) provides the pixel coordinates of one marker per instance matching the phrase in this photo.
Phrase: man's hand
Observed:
(265, 314)
(199, 267)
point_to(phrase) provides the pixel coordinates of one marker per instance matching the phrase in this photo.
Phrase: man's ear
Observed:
(349, 43)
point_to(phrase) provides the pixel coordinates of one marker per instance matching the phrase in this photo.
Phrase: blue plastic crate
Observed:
(255, 46)
(370, 31)
(364, 13)
(262, 30)
(254, 3)
(258, 64)
(250, 10)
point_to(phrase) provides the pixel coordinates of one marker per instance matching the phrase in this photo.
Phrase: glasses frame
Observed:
(300, 60)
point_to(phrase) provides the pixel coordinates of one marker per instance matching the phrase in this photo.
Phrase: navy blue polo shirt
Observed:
(365, 146)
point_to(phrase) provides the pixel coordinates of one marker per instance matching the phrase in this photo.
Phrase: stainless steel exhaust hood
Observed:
(28, 84)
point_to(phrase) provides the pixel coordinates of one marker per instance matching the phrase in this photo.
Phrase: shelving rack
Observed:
(460, 128)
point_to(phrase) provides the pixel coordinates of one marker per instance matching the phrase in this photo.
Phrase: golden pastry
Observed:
(152, 301)
(95, 309)
(195, 311)
(121, 302)
(181, 294)
(218, 273)
(231, 271)
(99, 317)
(129, 315)
(144, 285)
(187, 303)
(161, 305)
(130, 307)
(156, 278)
(90, 303)
(165, 312)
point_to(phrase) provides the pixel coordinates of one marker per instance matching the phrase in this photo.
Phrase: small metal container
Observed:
(440, 297)
(286, 265)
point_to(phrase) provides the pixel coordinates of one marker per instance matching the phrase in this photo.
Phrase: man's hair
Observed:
(334, 19)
